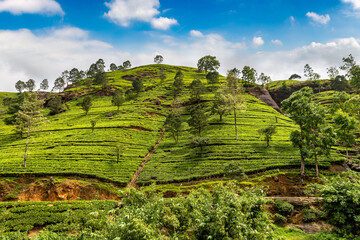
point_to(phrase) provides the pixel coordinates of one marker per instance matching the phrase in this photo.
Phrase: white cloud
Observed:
(17, 7)
(277, 42)
(354, 3)
(257, 42)
(162, 23)
(124, 12)
(322, 19)
(195, 33)
(292, 20)
(27, 55)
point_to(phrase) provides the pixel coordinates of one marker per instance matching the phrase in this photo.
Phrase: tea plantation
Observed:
(65, 144)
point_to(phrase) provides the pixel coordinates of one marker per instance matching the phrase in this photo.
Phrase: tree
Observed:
(339, 83)
(113, 67)
(158, 59)
(126, 64)
(349, 63)
(355, 77)
(236, 72)
(138, 84)
(55, 105)
(75, 76)
(29, 117)
(352, 106)
(208, 63)
(345, 129)
(65, 75)
(174, 125)
(20, 86)
(93, 124)
(59, 84)
(249, 75)
(308, 72)
(233, 97)
(196, 89)
(119, 149)
(30, 85)
(198, 120)
(117, 99)
(201, 142)
(44, 85)
(263, 79)
(92, 71)
(298, 107)
(332, 72)
(86, 104)
(219, 104)
(100, 65)
(294, 76)
(212, 77)
(339, 101)
(100, 79)
(178, 82)
(268, 132)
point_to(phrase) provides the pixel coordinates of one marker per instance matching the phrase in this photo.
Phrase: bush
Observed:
(283, 207)
(280, 219)
(311, 215)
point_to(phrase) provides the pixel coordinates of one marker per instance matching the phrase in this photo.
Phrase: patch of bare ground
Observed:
(35, 231)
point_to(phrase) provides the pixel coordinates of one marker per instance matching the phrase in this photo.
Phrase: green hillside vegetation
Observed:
(66, 145)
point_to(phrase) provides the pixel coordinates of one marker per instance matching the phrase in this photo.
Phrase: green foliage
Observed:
(174, 125)
(20, 86)
(178, 82)
(294, 76)
(345, 129)
(312, 215)
(268, 132)
(283, 207)
(55, 105)
(341, 201)
(234, 169)
(280, 219)
(208, 63)
(138, 85)
(30, 85)
(198, 120)
(248, 75)
(212, 77)
(86, 104)
(117, 99)
(263, 79)
(158, 59)
(196, 89)
(93, 124)
(355, 77)
(200, 142)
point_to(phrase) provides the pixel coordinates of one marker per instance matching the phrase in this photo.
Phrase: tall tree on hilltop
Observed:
(44, 85)
(30, 85)
(126, 64)
(158, 59)
(249, 75)
(59, 84)
(332, 72)
(29, 117)
(20, 86)
(113, 67)
(349, 63)
(208, 63)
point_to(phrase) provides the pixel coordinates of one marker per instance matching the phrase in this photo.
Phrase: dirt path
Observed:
(132, 183)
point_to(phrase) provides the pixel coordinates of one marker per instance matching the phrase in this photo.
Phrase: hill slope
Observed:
(66, 145)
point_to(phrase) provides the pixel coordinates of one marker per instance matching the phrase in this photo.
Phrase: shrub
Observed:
(283, 207)
(280, 219)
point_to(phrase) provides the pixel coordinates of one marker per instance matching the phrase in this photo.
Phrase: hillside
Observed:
(66, 145)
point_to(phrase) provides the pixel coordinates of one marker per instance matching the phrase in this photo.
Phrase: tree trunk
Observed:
(267, 142)
(302, 167)
(347, 152)
(220, 117)
(316, 166)
(26, 146)
(236, 133)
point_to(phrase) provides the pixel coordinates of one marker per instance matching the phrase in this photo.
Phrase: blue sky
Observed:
(41, 38)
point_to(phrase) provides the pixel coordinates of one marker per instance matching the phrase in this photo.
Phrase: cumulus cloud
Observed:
(195, 33)
(322, 19)
(17, 7)
(162, 23)
(257, 42)
(355, 3)
(25, 54)
(277, 42)
(124, 12)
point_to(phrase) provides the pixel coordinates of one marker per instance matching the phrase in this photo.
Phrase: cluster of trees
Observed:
(316, 136)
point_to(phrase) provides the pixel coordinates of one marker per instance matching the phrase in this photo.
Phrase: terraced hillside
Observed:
(66, 145)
